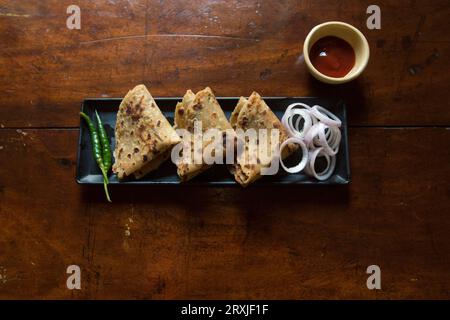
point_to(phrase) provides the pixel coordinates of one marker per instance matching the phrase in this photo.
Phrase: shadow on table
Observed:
(353, 93)
(195, 197)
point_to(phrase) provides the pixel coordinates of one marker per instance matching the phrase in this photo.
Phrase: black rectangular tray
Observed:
(218, 175)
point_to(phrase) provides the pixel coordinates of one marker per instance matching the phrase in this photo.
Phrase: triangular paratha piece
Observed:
(203, 107)
(254, 113)
(142, 134)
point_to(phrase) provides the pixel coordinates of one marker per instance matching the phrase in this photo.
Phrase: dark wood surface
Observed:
(157, 243)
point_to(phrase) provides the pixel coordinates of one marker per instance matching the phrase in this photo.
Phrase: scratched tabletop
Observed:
(223, 243)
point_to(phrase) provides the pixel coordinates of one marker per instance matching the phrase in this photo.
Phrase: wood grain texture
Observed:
(165, 243)
(219, 243)
(233, 46)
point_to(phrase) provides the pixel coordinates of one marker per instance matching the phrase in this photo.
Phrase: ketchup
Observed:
(332, 56)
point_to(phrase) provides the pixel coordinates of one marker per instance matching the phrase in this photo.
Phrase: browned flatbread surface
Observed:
(254, 113)
(142, 134)
(203, 107)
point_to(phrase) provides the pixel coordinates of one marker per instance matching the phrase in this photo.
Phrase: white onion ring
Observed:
(334, 144)
(319, 136)
(325, 116)
(302, 164)
(313, 132)
(297, 104)
(285, 122)
(327, 134)
(331, 143)
(323, 142)
(313, 120)
(290, 112)
(307, 169)
(328, 171)
(303, 114)
(301, 106)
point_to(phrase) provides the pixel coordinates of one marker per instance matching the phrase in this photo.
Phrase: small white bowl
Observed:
(346, 32)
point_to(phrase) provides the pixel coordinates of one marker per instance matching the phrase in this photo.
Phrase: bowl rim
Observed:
(322, 77)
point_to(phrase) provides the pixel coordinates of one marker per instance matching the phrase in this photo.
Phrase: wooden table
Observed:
(221, 243)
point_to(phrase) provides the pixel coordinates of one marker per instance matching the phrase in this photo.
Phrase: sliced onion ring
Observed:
(328, 171)
(288, 115)
(325, 116)
(331, 143)
(302, 164)
(300, 106)
(303, 114)
(324, 136)
(285, 122)
(319, 137)
(313, 132)
(297, 105)
(313, 119)
(336, 142)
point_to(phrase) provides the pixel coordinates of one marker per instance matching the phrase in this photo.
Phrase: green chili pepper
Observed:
(95, 140)
(104, 141)
(97, 151)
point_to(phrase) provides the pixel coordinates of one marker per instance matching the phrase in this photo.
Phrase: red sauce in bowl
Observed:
(332, 56)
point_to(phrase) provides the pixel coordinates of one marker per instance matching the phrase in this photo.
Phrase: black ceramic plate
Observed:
(217, 175)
